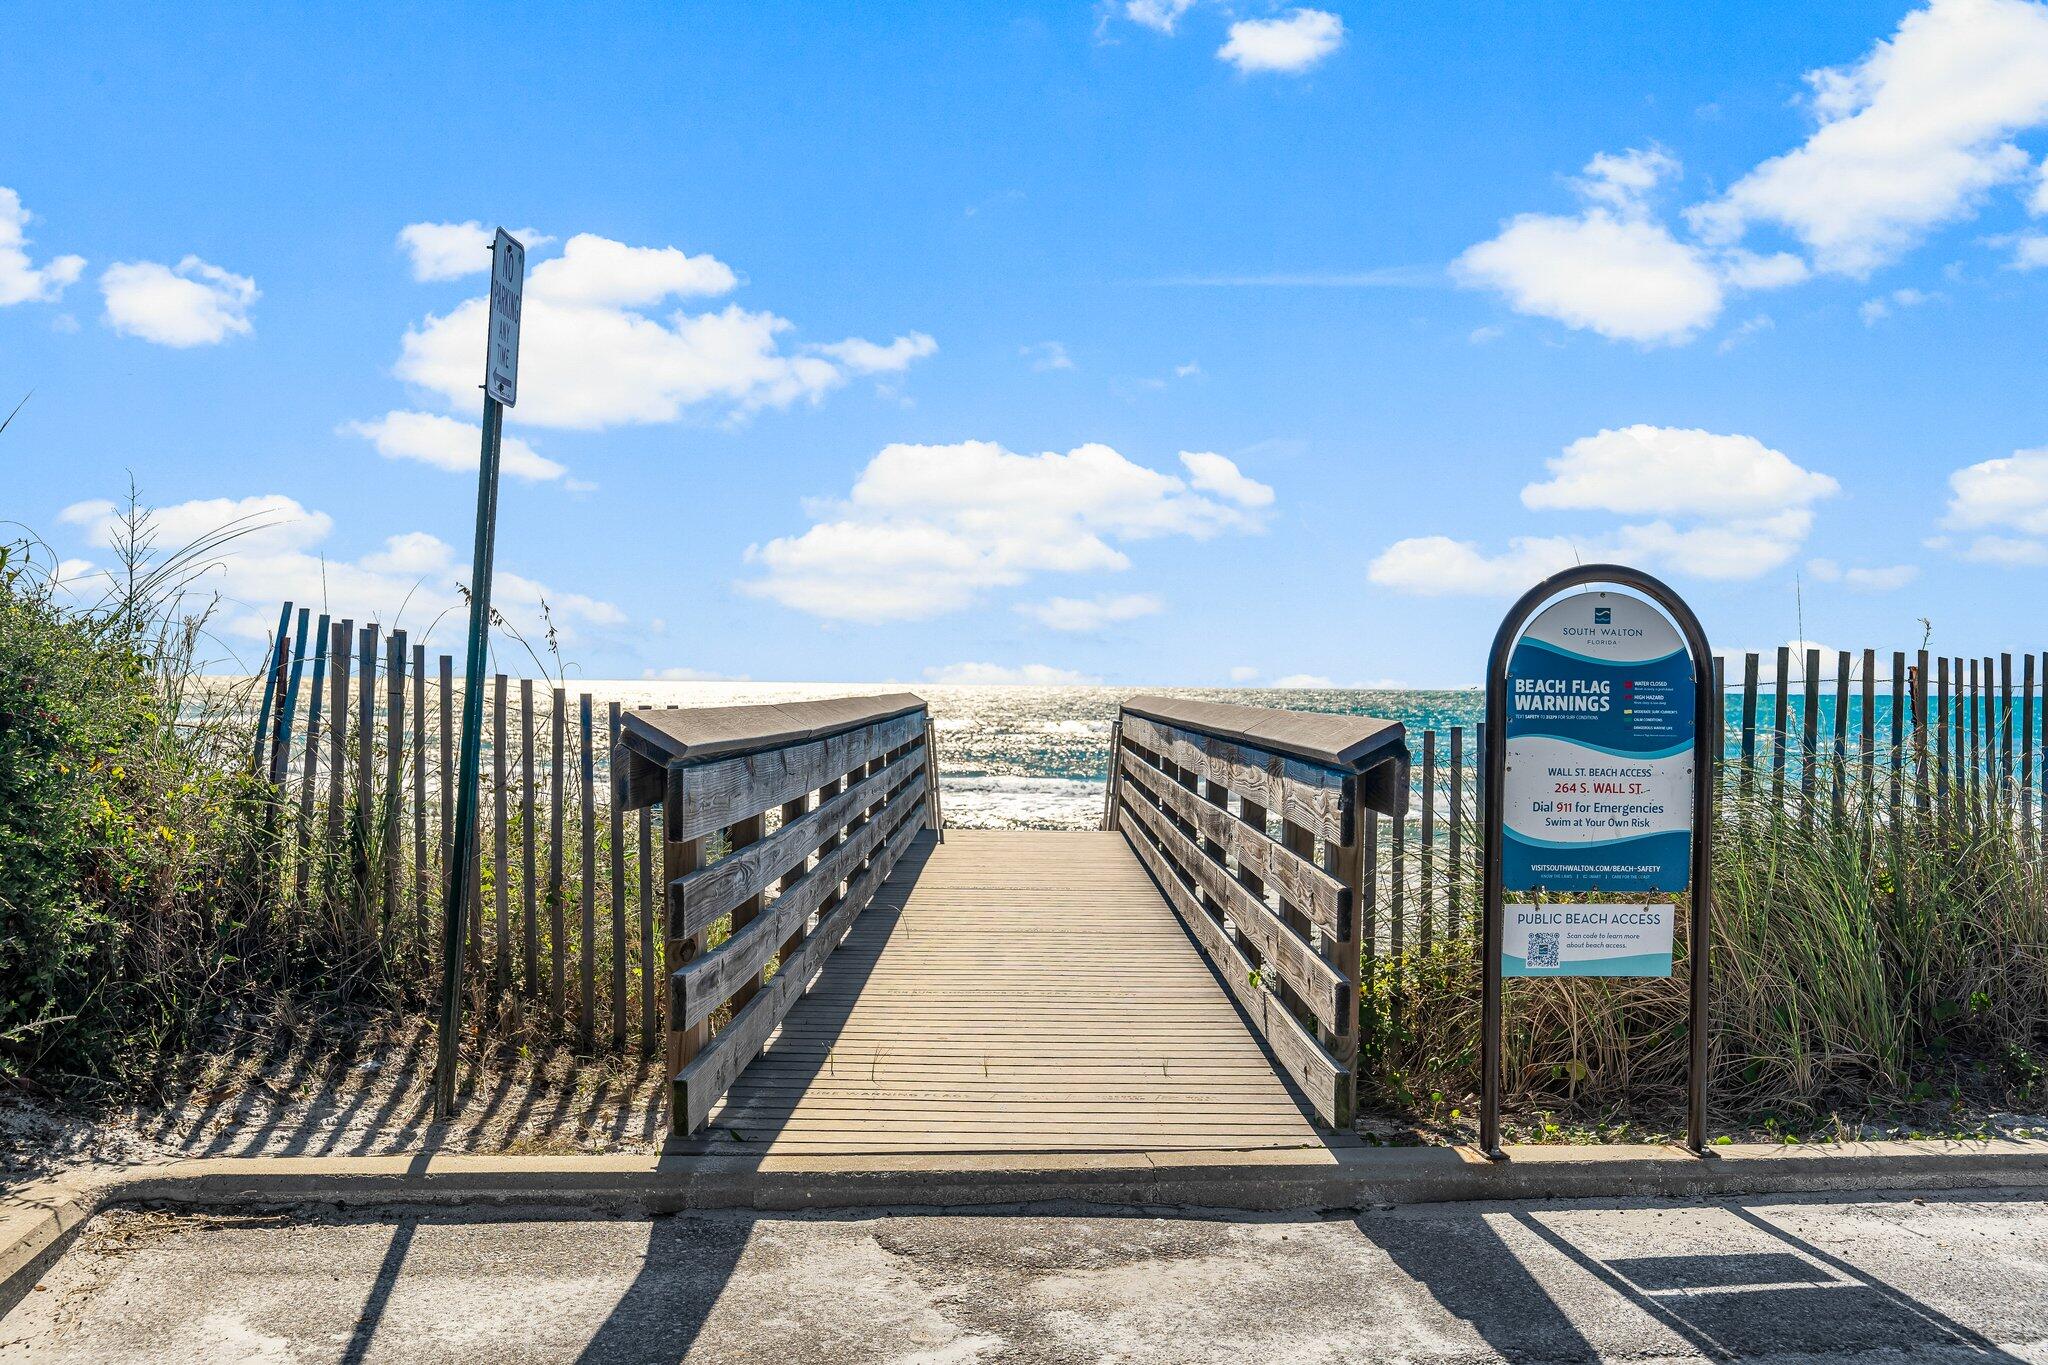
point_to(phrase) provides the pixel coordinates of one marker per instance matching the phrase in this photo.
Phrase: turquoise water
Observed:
(1038, 756)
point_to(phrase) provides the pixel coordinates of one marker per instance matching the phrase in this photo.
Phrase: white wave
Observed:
(1008, 802)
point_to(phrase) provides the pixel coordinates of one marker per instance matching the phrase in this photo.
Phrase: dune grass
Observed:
(1864, 956)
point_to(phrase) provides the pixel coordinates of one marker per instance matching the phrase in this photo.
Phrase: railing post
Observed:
(1112, 788)
(1347, 857)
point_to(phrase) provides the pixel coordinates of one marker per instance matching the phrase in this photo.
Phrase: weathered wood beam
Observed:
(698, 988)
(713, 1069)
(705, 797)
(1310, 889)
(1321, 987)
(696, 901)
(1321, 1078)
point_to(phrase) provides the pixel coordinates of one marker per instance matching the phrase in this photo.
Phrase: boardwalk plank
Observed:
(1013, 991)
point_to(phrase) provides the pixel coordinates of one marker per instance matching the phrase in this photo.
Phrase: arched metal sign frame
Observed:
(1706, 741)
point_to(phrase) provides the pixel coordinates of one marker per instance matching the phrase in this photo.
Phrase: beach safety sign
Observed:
(1587, 940)
(1600, 751)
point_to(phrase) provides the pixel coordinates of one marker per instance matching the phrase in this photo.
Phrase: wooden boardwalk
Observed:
(1013, 991)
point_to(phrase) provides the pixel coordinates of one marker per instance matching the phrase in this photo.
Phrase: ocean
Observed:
(1038, 757)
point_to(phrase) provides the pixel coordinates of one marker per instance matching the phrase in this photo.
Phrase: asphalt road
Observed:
(1933, 1278)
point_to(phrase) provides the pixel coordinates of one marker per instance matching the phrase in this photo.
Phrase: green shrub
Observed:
(126, 830)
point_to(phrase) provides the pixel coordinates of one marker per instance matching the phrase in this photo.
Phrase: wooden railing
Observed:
(813, 803)
(1257, 825)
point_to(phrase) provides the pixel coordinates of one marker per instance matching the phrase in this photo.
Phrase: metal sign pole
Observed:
(508, 265)
(1706, 732)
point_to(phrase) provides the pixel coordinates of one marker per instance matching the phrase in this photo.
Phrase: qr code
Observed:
(1543, 950)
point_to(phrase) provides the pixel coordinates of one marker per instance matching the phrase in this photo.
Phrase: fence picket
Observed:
(558, 963)
(614, 827)
(309, 782)
(529, 842)
(501, 860)
(586, 959)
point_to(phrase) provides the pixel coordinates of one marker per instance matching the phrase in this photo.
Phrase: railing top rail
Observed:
(699, 734)
(1345, 743)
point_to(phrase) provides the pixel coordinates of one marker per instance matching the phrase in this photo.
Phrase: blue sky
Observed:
(1150, 343)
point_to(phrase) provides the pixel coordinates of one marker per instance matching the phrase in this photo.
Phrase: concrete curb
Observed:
(39, 1222)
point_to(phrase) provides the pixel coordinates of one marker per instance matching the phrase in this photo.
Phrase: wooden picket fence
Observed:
(1959, 737)
(357, 736)
(359, 732)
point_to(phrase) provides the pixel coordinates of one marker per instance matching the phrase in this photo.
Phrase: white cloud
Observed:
(1243, 673)
(928, 529)
(1747, 270)
(1611, 268)
(986, 674)
(1675, 471)
(20, 280)
(593, 355)
(1438, 566)
(1998, 497)
(868, 357)
(1876, 310)
(193, 304)
(1158, 15)
(1873, 578)
(1308, 681)
(1623, 180)
(1292, 43)
(410, 581)
(602, 273)
(449, 251)
(1091, 613)
(2029, 250)
(1911, 137)
(1213, 473)
(446, 443)
(1741, 509)
(1047, 355)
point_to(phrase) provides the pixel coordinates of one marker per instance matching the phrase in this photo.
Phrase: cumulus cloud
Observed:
(190, 304)
(1675, 471)
(1911, 137)
(409, 581)
(1725, 507)
(985, 674)
(867, 357)
(1213, 473)
(1306, 681)
(1611, 268)
(449, 251)
(594, 353)
(2005, 501)
(1291, 43)
(446, 443)
(929, 529)
(1438, 566)
(21, 280)
(1091, 613)
(1161, 16)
